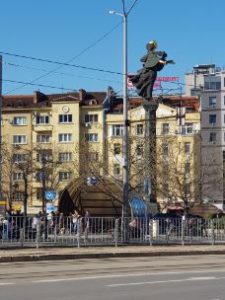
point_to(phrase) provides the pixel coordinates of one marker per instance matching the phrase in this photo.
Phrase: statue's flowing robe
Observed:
(145, 78)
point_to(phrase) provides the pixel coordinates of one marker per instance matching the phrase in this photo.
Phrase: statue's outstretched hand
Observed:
(170, 61)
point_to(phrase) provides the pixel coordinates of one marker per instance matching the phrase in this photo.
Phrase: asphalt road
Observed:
(158, 278)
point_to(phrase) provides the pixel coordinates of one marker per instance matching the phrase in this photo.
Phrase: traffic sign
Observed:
(50, 195)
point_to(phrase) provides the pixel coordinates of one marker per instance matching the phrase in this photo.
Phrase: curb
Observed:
(46, 257)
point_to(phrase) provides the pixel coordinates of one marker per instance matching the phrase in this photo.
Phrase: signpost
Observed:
(50, 195)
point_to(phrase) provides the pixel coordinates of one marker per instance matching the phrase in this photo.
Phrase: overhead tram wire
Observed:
(59, 73)
(68, 74)
(56, 62)
(59, 63)
(132, 6)
(74, 57)
(40, 85)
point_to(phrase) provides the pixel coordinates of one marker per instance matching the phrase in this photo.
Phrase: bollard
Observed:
(182, 230)
(55, 234)
(78, 232)
(150, 231)
(212, 232)
(116, 232)
(22, 236)
(38, 235)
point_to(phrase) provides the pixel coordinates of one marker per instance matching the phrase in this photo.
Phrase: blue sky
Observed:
(191, 32)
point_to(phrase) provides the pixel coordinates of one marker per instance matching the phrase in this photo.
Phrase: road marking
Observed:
(126, 276)
(78, 278)
(6, 283)
(203, 278)
(164, 281)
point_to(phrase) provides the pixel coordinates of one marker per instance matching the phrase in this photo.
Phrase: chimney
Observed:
(39, 97)
(82, 94)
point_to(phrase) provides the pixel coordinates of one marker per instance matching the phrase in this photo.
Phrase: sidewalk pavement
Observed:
(61, 253)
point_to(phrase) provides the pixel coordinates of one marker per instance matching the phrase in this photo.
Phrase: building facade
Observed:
(51, 140)
(208, 82)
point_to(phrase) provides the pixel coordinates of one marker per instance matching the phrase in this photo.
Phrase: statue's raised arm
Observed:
(153, 62)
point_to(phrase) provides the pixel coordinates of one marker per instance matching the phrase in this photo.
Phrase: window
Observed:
(44, 156)
(43, 138)
(39, 194)
(18, 176)
(212, 137)
(187, 168)
(93, 156)
(91, 137)
(19, 139)
(116, 149)
(139, 129)
(93, 118)
(65, 137)
(212, 119)
(212, 102)
(187, 148)
(189, 128)
(65, 118)
(165, 128)
(116, 169)
(39, 176)
(139, 150)
(19, 196)
(212, 85)
(65, 156)
(63, 176)
(165, 149)
(20, 158)
(42, 120)
(19, 121)
(43, 175)
(117, 130)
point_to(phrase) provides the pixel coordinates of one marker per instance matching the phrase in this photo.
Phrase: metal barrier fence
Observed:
(62, 231)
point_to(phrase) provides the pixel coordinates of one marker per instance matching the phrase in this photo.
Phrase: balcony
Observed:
(187, 130)
(42, 127)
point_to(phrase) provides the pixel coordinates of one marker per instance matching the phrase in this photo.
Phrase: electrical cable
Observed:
(59, 73)
(70, 60)
(135, 1)
(59, 63)
(40, 85)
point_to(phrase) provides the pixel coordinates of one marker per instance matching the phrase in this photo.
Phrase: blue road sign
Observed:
(50, 195)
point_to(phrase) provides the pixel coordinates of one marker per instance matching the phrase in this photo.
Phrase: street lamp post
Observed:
(44, 210)
(124, 15)
(0, 127)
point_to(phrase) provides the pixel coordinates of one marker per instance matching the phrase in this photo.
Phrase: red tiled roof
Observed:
(191, 102)
(39, 99)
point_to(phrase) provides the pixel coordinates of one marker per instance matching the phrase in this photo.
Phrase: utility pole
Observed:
(43, 176)
(124, 15)
(125, 203)
(125, 134)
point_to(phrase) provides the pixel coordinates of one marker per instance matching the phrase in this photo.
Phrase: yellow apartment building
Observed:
(56, 140)
(42, 138)
(178, 157)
